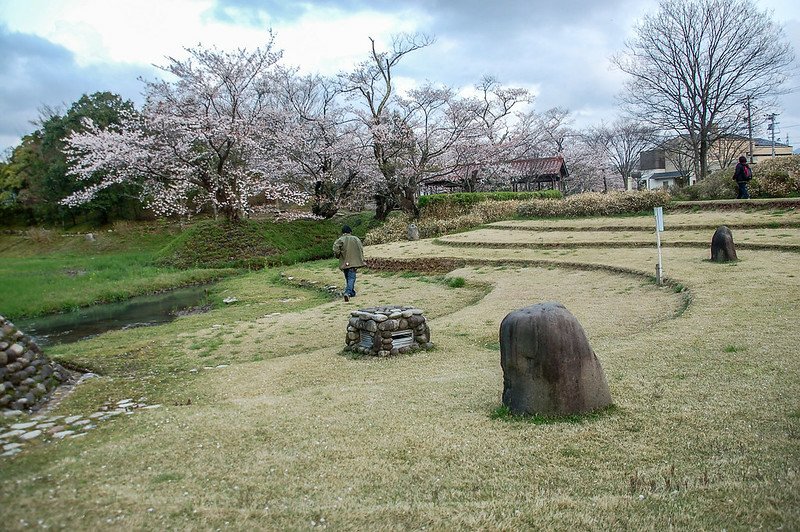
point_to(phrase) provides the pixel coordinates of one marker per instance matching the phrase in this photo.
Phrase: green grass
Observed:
(257, 243)
(64, 280)
(44, 272)
(456, 282)
(503, 413)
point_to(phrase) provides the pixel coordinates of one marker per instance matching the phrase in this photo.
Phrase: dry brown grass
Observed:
(500, 237)
(672, 220)
(704, 434)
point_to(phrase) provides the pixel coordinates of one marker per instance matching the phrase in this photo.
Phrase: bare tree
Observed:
(680, 155)
(621, 143)
(693, 63)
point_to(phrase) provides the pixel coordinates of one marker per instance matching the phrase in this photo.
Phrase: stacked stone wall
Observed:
(380, 324)
(27, 376)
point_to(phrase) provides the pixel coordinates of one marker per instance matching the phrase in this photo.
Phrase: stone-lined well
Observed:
(27, 376)
(387, 331)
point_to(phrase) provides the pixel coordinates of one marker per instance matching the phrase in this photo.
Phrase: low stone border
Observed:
(791, 248)
(44, 429)
(640, 228)
(733, 204)
(448, 264)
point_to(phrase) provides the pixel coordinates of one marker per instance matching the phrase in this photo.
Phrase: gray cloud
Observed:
(37, 73)
(563, 48)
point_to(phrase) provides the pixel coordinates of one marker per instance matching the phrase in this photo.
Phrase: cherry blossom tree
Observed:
(329, 154)
(589, 170)
(205, 137)
(506, 128)
(370, 86)
(430, 131)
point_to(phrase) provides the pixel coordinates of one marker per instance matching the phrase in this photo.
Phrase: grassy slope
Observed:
(46, 272)
(57, 273)
(256, 243)
(293, 435)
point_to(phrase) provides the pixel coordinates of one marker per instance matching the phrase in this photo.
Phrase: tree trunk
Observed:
(408, 202)
(324, 200)
(383, 206)
(703, 157)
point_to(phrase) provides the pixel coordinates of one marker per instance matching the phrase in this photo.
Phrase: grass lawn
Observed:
(705, 433)
(58, 273)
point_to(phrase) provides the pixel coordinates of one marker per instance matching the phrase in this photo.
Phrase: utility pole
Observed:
(771, 128)
(749, 127)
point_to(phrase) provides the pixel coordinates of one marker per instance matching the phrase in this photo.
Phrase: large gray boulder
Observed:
(722, 248)
(549, 368)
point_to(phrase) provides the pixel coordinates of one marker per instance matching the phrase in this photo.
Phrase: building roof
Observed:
(522, 170)
(665, 175)
(768, 142)
(539, 167)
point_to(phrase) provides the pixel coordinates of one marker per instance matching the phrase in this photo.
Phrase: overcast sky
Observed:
(53, 51)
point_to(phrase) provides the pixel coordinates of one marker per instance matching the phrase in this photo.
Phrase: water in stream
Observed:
(139, 311)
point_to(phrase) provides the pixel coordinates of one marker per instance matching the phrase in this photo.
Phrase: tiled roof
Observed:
(538, 167)
(767, 142)
(666, 175)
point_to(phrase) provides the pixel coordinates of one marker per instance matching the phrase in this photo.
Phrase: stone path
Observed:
(43, 428)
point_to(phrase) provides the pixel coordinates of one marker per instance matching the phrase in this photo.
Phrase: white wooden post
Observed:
(659, 213)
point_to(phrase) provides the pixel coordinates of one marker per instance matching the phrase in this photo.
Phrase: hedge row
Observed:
(594, 204)
(590, 204)
(442, 205)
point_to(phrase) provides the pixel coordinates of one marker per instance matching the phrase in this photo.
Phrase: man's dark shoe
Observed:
(346, 298)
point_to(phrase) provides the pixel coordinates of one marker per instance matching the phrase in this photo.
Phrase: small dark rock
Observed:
(722, 247)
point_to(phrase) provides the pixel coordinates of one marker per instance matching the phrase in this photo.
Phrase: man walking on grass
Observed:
(350, 253)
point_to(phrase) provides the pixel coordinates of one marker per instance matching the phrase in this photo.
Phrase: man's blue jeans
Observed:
(350, 281)
(743, 192)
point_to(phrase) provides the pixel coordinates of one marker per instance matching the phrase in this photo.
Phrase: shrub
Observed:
(394, 229)
(718, 185)
(776, 178)
(456, 282)
(430, 227)
(493, 211)
(40, 235)
(773, 178)
(444, 216)
(594, 204)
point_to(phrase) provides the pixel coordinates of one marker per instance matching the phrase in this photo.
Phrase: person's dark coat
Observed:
(742, 173)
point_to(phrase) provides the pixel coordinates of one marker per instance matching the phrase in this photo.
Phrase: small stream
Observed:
(140, 311)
